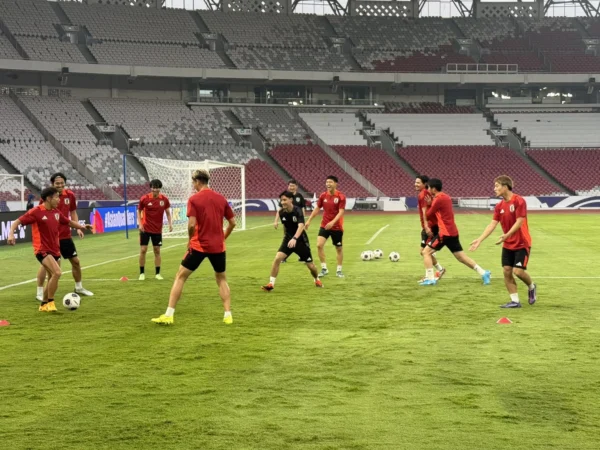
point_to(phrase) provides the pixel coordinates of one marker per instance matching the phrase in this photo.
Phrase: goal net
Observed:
(12, 188)
(176, 176)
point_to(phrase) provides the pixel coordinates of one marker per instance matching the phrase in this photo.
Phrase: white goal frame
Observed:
(8, 176)
(176, 176)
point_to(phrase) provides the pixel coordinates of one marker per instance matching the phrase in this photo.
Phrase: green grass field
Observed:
(371, 361)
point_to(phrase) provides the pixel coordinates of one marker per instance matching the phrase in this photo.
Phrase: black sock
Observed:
(157, 270)
(141, 269)
(44, 303)
(50, 300)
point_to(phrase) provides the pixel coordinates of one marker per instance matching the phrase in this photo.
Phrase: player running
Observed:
(441, 209)
(206, 210)
(46, 220)
(298, 200)
(67, 206)
(150, 213)
(295, 240)
(429, 228)
(333, 203)
(511, 213)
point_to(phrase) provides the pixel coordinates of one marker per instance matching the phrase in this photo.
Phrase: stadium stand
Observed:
(309, 164)
(32, 24)
(289, 59)
(469, 171)
(425, 108)
(379, 168)
(7, 51)
(434, 129)
(277, 125)
(22, 145)
(540, 129)
(67, 120)
(577, 169)
(262, 181)
(336, 129)
(591, 26)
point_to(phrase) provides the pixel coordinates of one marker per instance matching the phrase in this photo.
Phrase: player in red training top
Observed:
(67, 205)
(333, 203)
(45, 221)
(511, 213)
(429, 228)
(206, 211)
(150, 214)
(441, 209)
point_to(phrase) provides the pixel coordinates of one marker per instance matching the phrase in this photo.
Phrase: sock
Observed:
(157, 270)
(324, 266)
(439, 267)
(44, 303)
(141, 269)
(478, 269)
(272, 280)
(50, 300)
(78, 285)
(429, 274)
(339, 268)
(170, 312)
(514, 298)
(531, 286)
(40, 290)
(227, 314)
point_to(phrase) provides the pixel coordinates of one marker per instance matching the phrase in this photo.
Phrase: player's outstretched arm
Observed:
(230, 227)
(75, 218)
(11, 233)
(77, 226)
(315, 213)
(488, 230)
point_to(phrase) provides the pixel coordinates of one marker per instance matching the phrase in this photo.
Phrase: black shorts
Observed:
(515, 258)
(439, 242)
(302, 249)
(145, 239)
(336, 236)
(67, 248)
(193, 259)
(425, 239)
(40, 257)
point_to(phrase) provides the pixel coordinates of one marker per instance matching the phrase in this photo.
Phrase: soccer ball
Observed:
(71, 301)
(366, 255)
(394, 257)
(378, 254)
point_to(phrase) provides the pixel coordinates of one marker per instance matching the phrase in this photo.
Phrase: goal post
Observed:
(227, 179)
(14, 184)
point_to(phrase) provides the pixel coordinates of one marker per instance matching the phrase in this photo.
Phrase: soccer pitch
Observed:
(371, 361)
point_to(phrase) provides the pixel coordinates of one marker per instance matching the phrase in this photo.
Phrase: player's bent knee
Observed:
(518, 272)
(75, 262)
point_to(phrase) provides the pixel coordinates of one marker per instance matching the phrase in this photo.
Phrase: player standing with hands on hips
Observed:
(333, 203)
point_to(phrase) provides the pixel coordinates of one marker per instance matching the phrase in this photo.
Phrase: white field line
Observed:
(2, 288)
(377, 234)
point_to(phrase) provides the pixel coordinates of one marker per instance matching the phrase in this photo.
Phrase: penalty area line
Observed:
(377, 234)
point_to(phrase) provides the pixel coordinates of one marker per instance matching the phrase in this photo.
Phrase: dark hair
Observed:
(424, 178)
(48, 192)
(435, 183)
(505, 180)
(57, 175)
(292, 181)
(201, 175)
(333, 178)
(156, 184)
(286, 194)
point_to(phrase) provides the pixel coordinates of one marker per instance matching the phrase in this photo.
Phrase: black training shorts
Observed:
(515, 258)
(193, 259)
(146, 237)
(302, 249)
(67, 248)
(336, 236)
(425, 239)
(438, 242)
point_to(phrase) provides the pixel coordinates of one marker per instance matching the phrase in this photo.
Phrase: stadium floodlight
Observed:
(176, 176)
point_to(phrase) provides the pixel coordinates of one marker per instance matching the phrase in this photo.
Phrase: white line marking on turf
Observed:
(88, 267)
(377, 234)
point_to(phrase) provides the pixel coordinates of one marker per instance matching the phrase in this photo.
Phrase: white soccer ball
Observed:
(366, 255)
(394, 257)
(378, 253)
(71, 301)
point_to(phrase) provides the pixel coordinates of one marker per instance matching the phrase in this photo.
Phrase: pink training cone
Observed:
(504, 320)
(4, 323)
(124, 279)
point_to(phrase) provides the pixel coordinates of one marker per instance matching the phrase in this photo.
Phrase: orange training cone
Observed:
(124, 279)
(504, 320)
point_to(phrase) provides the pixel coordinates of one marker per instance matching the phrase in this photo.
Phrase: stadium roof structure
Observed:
(388, 8)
